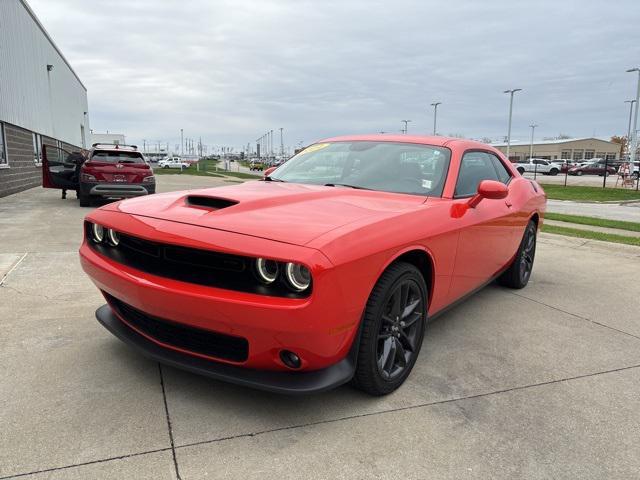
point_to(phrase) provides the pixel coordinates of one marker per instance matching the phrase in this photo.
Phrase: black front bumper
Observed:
(116, 190)
(291, 383)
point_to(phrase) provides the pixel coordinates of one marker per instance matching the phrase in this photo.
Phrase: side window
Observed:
(503, 174)
(474, 167)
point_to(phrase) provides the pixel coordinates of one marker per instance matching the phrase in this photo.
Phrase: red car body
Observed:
(345, 237)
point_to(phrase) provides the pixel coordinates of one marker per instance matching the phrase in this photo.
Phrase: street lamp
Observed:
(406, 122)
(511, 92)
(535, 170)
(630, 102)
(634, 143)
(181, 141)
(435, 115)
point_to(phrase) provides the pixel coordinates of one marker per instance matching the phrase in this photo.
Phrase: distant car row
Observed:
(592, 167)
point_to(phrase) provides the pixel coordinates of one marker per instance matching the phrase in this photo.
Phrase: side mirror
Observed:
(490, 189)
(269, 171)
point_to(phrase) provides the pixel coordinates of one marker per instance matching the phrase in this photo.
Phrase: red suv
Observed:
(107, 171)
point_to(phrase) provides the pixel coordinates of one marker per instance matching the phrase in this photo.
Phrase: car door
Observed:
(487, 239)
(58, 170)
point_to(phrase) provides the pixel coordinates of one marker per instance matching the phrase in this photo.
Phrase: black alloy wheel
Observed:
(519, 272)
(401, 324)
(528, 253)
(393, 330)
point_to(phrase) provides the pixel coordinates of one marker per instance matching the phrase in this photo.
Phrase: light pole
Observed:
(630, 102)
(406, 124)
(181, 141)
(511, 92)
(533, 127)
(281, 144)
(535, 170)
(634, 143)
(435, 115)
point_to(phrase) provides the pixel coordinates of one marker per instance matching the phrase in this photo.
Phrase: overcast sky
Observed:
(229, 70)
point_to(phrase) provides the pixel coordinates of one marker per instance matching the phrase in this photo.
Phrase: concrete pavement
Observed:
(538, 383)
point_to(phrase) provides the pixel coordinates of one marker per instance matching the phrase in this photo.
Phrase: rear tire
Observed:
(554, 171)
(521, 171)
(519, 272)
(392, 330)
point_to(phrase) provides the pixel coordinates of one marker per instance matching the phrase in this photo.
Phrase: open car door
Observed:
(58, 170)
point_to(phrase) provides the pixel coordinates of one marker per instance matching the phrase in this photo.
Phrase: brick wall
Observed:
(22, 173)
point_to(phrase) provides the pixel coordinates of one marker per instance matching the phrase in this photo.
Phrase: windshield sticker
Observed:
(314, 148)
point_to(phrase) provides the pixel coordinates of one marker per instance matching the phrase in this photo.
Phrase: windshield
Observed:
(109, 156)
(387, 166)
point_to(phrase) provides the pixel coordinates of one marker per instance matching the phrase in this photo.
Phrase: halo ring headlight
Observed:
(97, 232)
(113, 237)
(298, 276)
(267, 270)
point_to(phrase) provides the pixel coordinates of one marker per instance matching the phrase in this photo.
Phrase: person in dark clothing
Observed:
(77, 159)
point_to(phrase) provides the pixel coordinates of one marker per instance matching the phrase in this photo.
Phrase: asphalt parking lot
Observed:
(538, 383)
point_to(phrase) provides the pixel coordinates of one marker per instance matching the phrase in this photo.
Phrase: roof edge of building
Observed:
(53, 44)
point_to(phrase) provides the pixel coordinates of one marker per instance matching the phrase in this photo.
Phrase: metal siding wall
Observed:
(50, 103)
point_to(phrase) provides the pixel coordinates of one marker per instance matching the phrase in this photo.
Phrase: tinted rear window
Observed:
(110, 156)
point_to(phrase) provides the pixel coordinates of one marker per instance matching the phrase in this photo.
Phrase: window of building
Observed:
(577, 154)
(601, 155)
(37, 149)
(565, 155)
(610, 156)
(589, 154)
(4, 160)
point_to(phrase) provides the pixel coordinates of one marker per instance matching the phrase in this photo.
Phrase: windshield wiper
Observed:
(356, 187)
(271, 179)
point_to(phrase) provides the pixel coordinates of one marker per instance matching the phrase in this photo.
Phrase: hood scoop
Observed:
(209, 203)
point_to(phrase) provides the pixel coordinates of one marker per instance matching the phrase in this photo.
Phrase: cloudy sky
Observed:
(229, 70)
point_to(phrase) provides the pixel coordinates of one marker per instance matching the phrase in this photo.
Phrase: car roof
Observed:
(433, 140)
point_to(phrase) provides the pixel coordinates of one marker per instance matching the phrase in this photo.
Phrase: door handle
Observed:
(508, 203)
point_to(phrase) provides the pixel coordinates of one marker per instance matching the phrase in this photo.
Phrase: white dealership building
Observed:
(42, 99)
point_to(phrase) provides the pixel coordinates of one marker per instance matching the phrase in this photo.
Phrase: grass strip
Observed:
(593, 194)
(593, 221)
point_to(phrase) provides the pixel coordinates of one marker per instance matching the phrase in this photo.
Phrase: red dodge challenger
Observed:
(326, 271)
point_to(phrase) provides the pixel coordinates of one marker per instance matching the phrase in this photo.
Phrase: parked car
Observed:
(593, 168)
(325, 271)
(110, 171)
(545, 167)
(175, 162)
(256, 166)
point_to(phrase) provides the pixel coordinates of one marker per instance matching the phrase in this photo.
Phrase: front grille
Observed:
(192, 265)
(197, 340)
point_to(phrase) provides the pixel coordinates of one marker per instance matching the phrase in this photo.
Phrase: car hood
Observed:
(285, 212)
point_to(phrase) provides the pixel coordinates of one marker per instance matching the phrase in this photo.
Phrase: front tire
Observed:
(519, 272)
(392, 330)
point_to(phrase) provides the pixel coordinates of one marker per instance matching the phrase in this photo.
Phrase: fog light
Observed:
(290, 359)
(113, 237)
(97, 233)
(267, 270)
(298, 276)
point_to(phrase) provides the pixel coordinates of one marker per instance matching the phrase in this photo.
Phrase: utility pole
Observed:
(435, 115)
(281, 144)
(181, 141)
(406, 122)
(511, 92)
